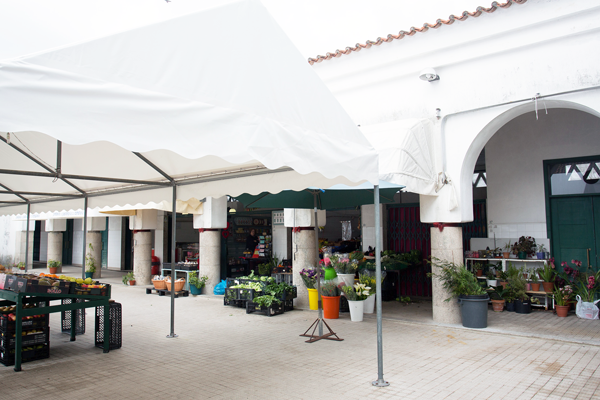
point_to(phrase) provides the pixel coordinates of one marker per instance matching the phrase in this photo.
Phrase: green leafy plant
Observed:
(517, 283)
(534, 277)
(456, 279)
(477, 266)
(90, 261)
(563, 295)
(54, 264)
(330, 289)
(490, 275)
(21, 265)
(264, 269)
(266, 300)
(198, 282)
(128, 277)
(499, 292)
(524, 244)
(547, 273)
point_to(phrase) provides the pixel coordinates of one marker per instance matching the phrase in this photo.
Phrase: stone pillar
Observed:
(142, 257)
(210, 257)
(303, 256)
(445, 245)
(95, 239)
(55, 247)
(21, 238)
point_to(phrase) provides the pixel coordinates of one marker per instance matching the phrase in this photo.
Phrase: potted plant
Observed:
(541, 252)
(21, 266)
(517, 285)
(344, 269)
(478, 268)
(498, 300)
(535, 282)
(562, 297)
(330, 295)
(463, 285)
(502, 278)
(547, 274)
(491, 278)
(90, 263)
(197, 283)
(129, 278)
(524, 247)
(53, 266)
(368, 279)
(309, 277)
(356, 295)
(507, 247)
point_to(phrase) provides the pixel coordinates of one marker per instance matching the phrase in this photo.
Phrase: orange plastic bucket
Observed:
(331, 307)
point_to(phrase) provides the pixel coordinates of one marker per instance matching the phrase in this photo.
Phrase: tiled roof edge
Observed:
(451, 19)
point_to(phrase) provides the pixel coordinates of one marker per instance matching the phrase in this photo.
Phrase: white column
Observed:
(55, 247)
(95, 239)
(303, 256)
(445, 245)
(142, 257)
(210, 258)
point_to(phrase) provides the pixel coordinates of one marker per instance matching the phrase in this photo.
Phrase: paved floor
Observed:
(224, 353)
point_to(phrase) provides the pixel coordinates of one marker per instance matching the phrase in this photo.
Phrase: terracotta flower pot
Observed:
(506, 254)
(548, 286)
(53, 270)
(562, 311)
(131, 283)
(498, 305)
(479, 272)
(535, 287)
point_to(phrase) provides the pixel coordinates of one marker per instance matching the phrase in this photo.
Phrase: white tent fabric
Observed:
(219, 100)
(406, 155)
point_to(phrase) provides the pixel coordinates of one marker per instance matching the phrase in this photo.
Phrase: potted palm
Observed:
(197, 283)
(535, 282)
(547, 274)
(356, 296)
(498, 300)
(463, 285)
(330, 294)
(53, 266)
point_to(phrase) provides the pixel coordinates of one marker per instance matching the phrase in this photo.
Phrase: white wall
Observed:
(77, 241)
(514, 163)
(115, 250)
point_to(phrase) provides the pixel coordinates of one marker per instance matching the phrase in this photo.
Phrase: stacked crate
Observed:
(35, 343)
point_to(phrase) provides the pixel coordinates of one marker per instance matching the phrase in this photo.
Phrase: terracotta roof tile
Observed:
(451, 19)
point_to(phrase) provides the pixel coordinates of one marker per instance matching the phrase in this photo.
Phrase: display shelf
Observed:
(503, 261)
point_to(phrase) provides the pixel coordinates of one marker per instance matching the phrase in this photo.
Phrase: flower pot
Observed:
(535, 287)
(53, 270)
(369, 305)
(498, 274)
(356, 310)
(504, 284)
(562, 311)
(479, 272)
(548, 286)
(491, 282)
(331, 307)
(329, 273)
(540, 256)
(348, 279)
(132, 282)
(474, 310)
(498, 305)
(506, 254)
(522, 255)
(510, 306)
(313, 299)
(89, 275)
(522, 307)
(195, 291)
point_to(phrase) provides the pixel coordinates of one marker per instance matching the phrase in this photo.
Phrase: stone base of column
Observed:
(445, 245)
(303, 256)
(142, 257)
(210, 258)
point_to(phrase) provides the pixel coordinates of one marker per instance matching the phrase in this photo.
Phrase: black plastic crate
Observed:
(235, 303)
(275, 309)
(37, 322)
(31, 337)
(7, 356)
(79, 318)
(288, 305)
(115, 322)
(344, 306)
(248, 294)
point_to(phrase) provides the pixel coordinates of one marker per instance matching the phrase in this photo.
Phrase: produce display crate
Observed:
(65, 317)
(234, 303)
(115, 328)
(232, 282)
(93, 291)
(248, 294)
(38, 321)
(36, 337)
(286, 277)
(288, 305)
(7, 356)
(275, 309)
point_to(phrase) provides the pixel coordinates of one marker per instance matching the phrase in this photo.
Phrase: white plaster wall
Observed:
(7, 240)
(514, 163)
(115, 224)
(281, 237)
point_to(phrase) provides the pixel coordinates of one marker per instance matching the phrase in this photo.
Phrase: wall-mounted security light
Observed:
(429, 75)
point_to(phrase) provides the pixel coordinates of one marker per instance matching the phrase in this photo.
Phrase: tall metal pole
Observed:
(173, 273)
(27, 238)
(378, 248)
(317, 266)
(85, 207)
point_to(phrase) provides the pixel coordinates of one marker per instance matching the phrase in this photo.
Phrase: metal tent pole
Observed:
(378, 248)
(317, 266)
(85, 207)
(173, 273)
(27, 238)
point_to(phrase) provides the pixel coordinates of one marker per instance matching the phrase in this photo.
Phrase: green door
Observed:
(575, 222)
(105, 246)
